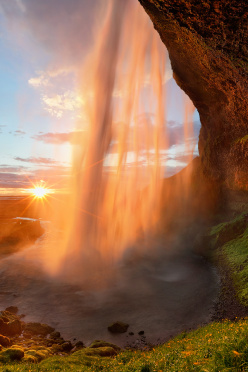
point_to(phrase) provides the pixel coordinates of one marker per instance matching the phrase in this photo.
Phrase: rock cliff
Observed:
(208, 49)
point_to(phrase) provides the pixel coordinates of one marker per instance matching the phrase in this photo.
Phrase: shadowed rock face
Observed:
(207, 45)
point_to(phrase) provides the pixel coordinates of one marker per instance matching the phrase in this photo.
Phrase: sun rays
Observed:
(39, 192)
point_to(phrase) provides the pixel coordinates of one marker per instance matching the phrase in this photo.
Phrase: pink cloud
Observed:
(34, 160)
(59, 138)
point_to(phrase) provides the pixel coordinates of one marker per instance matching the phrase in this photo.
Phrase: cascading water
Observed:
(118, 169)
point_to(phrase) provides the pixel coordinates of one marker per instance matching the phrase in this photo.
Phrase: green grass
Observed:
(232, 238)
(215, 347)
(236, 252)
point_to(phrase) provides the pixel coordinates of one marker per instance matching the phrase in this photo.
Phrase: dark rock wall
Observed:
(208, 48)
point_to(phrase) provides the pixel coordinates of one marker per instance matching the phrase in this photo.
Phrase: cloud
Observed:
(40, 81)
(58, 25)
(19, 132)
(13, 180)
(21, 5)
(22, 178)
(46, 78)
(60, 138)
(4, 168)
(34, 160)
(58, 104)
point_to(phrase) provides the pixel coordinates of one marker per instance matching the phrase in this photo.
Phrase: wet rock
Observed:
(60, 340)
(101, 343)
(14, 328)
(10, 328)
(12, 309)
(118, 327)
(67, 346)
(38, 329)
(79, 345)
(4, 341)
(55, 335)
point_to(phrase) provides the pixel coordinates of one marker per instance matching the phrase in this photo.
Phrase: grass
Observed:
(232, 237)
(236, 252)
(215, 347)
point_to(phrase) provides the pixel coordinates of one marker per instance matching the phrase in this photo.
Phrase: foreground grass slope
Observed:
(216, 347)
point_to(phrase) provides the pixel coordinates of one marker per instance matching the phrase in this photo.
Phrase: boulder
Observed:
(38, 354)
(55, 335)
(12, 309)
(106, 351)
(12, 354)
(14, 328)
(4, 341)
(38, 329)
(79, 345)
(118, 327)
(101, 343)
(11, 328)
(67, 346)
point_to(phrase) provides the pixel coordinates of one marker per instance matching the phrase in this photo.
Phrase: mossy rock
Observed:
(8, 316)
(29, 359)
(79, 345)
(39, 355)
(55, 348)
(101, 343)
(105, 351)
(118, 327)
(67, 346)
(11, 354)
(38, 329)
(228, 231)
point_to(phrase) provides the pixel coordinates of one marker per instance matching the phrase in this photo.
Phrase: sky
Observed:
(43, 45)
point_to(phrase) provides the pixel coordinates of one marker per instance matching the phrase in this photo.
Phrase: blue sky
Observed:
(42, 45)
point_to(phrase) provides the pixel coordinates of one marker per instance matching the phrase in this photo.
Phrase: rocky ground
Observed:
(33, 342)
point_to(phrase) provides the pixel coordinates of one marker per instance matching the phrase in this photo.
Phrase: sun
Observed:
(39, 192)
